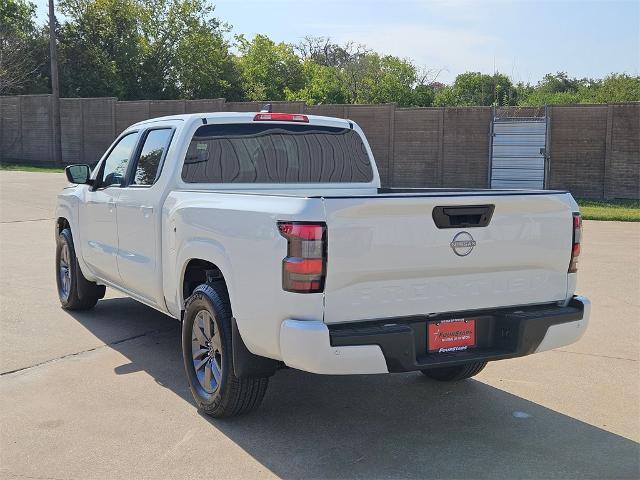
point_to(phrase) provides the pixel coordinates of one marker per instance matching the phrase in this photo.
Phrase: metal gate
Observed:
(518, 152)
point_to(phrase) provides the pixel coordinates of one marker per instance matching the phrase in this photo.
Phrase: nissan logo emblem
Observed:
(462, 244)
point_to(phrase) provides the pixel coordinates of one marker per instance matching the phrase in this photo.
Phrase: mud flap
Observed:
(245, 363)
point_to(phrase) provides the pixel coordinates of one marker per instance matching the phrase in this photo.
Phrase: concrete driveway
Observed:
(102, 394)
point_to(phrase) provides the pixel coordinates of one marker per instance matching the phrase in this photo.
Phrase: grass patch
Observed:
(29, 168)
(618, 210)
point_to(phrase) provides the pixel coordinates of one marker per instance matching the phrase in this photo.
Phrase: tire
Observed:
(455, 373)
(208, 356)
(74, 290)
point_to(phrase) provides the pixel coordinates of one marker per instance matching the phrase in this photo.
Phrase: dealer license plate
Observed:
(451, 335)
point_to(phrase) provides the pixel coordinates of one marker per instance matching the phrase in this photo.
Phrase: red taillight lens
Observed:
(575, 244)
(304, 231)
(306, 266)
(280, 117)
(303, 269)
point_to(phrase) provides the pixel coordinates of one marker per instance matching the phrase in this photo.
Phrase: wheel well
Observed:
(199, 272)
(61, 224)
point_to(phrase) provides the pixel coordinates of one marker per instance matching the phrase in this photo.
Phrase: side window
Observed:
(115, 165)
(148, 166)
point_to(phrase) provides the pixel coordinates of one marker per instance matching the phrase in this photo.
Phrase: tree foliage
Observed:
(23, 49)
(144, 49)
(163, 49)
(475, 88)
(351, 73)
(268, 69)
(322, 85)
(559, 88)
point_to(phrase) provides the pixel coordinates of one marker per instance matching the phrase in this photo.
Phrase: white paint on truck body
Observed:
(386, 258)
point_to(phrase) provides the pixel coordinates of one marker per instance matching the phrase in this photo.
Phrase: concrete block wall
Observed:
(377, 121)
(35, 128)
(10, 129)
(201, 106)
(418, 148)
(466, 147)
(622, 156)
(578, 138)
(594, 149)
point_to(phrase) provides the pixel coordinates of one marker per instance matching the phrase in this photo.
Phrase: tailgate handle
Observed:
(465, 216)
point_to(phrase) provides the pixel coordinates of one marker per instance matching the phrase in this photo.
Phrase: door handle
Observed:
(112, 205)
(146, 210)
(462, 216)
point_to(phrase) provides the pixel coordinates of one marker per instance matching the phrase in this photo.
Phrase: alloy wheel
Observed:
(64, 272)
(206, 351)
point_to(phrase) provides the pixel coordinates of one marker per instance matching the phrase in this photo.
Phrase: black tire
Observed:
(455, 373)
(75, 291)
(226, 395)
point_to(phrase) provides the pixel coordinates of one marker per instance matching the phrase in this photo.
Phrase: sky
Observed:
(523, 39)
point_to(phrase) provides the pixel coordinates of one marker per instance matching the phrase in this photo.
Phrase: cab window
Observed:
(276, 153)
(115, 165)
(151, 155)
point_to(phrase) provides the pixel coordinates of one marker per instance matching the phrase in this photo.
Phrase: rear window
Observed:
(276, 153)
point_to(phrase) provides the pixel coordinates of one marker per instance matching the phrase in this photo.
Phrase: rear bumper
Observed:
(400, 344)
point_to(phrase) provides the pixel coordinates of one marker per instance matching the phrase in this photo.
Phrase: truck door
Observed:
(99, 236)
(139, 217)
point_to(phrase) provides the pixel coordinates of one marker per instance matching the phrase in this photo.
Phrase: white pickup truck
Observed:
(268, 236)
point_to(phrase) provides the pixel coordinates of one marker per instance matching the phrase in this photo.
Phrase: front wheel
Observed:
(74, 290)
(208, 357)
(455, 373)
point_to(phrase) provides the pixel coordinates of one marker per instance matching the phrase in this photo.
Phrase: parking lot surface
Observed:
(102, 394)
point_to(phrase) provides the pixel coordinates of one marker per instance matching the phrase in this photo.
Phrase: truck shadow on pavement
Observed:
(382, 426)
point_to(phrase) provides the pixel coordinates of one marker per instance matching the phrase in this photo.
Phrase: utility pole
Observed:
(55, 87)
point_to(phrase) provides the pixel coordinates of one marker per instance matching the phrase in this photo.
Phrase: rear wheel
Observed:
(74, 290)
(455, 373)
(208, 356)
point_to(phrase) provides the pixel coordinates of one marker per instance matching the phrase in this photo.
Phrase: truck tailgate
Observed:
(387, 258)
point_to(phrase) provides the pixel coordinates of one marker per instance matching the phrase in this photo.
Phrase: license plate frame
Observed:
(451, 335)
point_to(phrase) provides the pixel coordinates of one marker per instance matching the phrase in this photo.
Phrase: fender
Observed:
(67, 208)
(202, 249)
(214, 252)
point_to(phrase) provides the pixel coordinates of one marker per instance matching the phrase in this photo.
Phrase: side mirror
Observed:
(78, 173)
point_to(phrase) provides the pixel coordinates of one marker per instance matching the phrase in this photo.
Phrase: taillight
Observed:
(575, 243)
(280, 117)
(304, 267)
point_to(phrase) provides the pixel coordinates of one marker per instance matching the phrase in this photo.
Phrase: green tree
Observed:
(101, 48)
(536, 98)
(163, 49)
(560, 89)
(322, 84)
(616, 88)
(151, 49)
(424, 95)
(475, 88)
(352, 62)
(554, 88)
(387, 79)
(559, 83)
(204, 66)
(269, 70)
(185, 53)
(23, 54)
(351, 73)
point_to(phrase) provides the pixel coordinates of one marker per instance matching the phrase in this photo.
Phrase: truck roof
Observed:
(242, 117)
